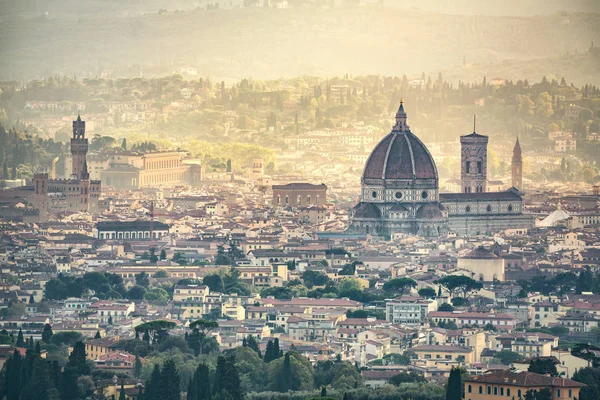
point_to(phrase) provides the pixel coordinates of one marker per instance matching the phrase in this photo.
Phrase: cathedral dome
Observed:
(400, 156)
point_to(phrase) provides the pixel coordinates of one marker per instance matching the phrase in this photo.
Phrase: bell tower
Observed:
(473, 162)
(79, 149)
(517, 166)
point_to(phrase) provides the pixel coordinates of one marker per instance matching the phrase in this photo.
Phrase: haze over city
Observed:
(299, 199)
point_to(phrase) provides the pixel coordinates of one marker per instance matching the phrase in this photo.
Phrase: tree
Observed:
(291, 371)
(214, 282)
(122, 391)
(227, 383)
(97, 335)
(137, 367)
(157, 330)
(454, 387)
(124, 144)
(406, 377)
(272, 352)
(47, 333)
(252, 344)
(163, 254)
(78, 361)
(427, 292)
(507, 357)
(543, 366)
(142, 279)
(170, 389)
(462, 284)
(446, 307)
(68, 338)
(200, 330)
(199, 386)
(20, 341)
(399, 285)
(590, 377)
(136, 292)
(12, 384)
(153, 256)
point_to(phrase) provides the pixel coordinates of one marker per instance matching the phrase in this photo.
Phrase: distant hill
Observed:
(268, 43)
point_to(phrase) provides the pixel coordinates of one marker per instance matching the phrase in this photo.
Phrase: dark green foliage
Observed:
(101, 284)
(47, 333)
(454, 385)
(461, 284)
(406, 377)
(507, 357)
(199, 335)
(122, 391)
(214, 282)
(543, 366)
(446, 307)
(155, 331)
(227, 383)
(97, 335)
(68, 338)
(591, 377)
(314, 278)
(78, 361)
(20, 341)
(199, 387)
(272, 351)
(427, 292)
(250, 342)
(142, 279)
(398, 286)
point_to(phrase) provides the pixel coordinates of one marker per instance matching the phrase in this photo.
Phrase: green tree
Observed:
(507, 357)
(200, 330)
(427, 292)
(47, 333)
(163, 254)
(543, 366)
(214, 282)
(20, 341)
(78, 361)
(199, 387)
(250, 342)
(137, 367)
(454, 386)
(399, 285)
(460, 283)
(142, 279)
(298, 371)
(157, 330)
(227, 383)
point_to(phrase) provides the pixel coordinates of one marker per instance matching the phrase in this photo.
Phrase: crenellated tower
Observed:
(517, 166)
(79, 149)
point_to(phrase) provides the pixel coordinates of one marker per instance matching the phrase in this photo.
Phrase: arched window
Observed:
(489, 208)
(299, 200)
(480, 389)
(287, 200)
(102, 236)
(308, 200)
(469, 389)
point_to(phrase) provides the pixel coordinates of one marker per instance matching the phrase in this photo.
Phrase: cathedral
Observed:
(400, 191)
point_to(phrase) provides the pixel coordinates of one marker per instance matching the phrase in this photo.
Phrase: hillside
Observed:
(268, 43)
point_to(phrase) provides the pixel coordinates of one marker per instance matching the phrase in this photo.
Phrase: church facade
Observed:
(400, 191)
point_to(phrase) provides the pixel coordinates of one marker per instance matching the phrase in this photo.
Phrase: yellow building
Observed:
(515, 384)
(444, 352)
(95, 348)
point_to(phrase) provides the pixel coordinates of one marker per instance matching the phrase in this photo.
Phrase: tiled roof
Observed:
(524, 379)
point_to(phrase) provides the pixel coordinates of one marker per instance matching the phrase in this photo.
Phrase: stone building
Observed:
(483, 264)
(473, 163)
(517, 167)
(130, 170)
(136, 230)
(299, 195)
(400, 191)
(78, 192)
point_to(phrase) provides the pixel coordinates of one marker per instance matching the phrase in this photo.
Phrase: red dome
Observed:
(400, 155)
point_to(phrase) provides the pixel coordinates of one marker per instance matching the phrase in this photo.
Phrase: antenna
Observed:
(474, 121)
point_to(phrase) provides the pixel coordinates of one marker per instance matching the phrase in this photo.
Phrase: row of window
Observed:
(398, 195)
(501, 392)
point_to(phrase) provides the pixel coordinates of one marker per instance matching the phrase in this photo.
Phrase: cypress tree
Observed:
(122, 393)
(78, 360)
(269, 352)
(12, 384)
(38, 349)
(277, 352)
(203, 383)
(153, 384)
(284, 381)
(137, 367)
(170, 381)
(47, 333)
(453, 388)
(97, 335)
(227, 379)
(20, 339)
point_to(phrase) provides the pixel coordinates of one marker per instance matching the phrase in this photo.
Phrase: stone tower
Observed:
(473, 162)
(79, 149)
(517, 167)
(40, 195)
